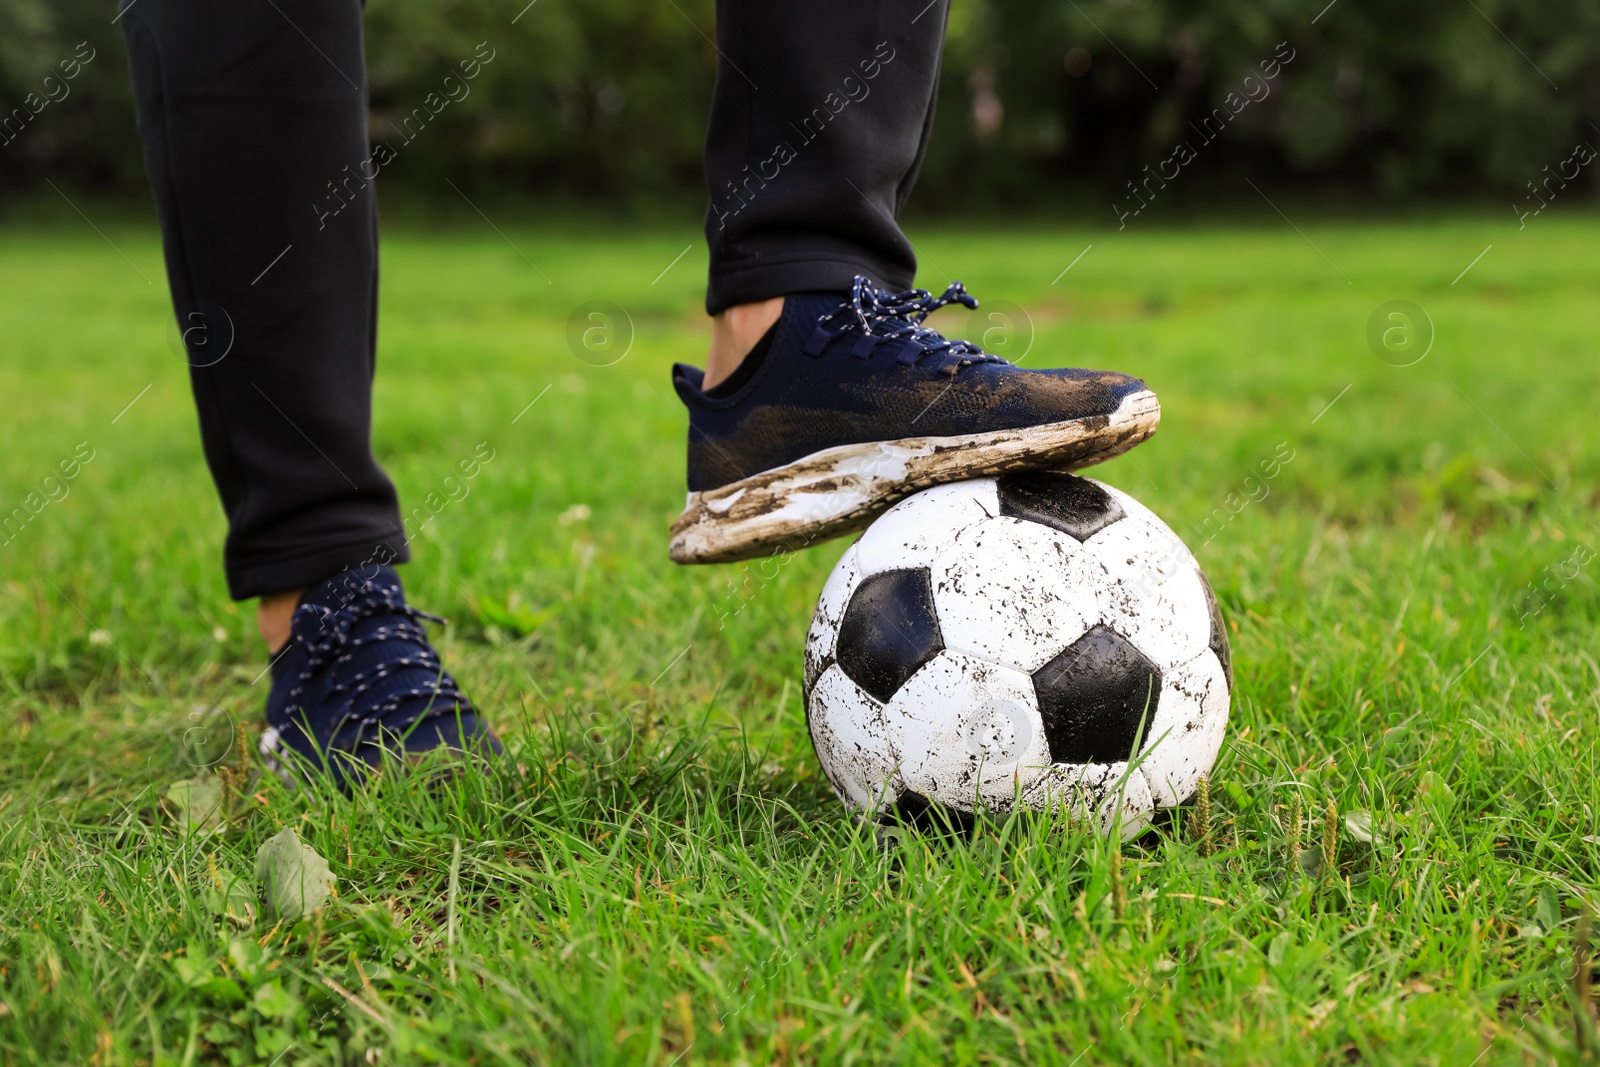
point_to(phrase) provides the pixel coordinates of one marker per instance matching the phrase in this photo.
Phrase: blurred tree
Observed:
(605, 100)
(1437, 96)
(86, 137)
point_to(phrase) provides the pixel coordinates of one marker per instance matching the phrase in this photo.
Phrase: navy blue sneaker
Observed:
(359, 683)
(848, 405)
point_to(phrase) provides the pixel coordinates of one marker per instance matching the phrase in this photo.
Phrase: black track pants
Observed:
(821, 114)
(253, 121)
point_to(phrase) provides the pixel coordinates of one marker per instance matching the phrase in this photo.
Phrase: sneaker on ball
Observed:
(848, 405)
(359, 684)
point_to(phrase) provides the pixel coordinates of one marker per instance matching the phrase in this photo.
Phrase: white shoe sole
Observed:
(840, 490)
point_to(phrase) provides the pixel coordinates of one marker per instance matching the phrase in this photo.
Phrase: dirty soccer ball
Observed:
(1017, 639)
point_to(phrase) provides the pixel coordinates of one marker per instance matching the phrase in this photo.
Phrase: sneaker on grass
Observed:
(359, 684)
(848, 405)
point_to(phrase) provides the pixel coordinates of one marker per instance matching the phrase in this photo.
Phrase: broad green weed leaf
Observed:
(511, 616)
(1549, 910)
(294, 879)
(1359, 825)
(221, 990)
(234, 900)
(220, 1033)
(239, 903)
(198, 972)
(191, 969)
(247, 957)
(197, 802)
(273, 1001)
(1311, 862)
(230, 895)
(1434, 792)
(1435, 799)
(1363, 828)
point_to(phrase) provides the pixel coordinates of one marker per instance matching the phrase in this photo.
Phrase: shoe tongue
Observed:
(807, 308)
(802, 312)
(351, 584)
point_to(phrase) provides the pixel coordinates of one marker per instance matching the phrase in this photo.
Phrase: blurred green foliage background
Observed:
(604, 100)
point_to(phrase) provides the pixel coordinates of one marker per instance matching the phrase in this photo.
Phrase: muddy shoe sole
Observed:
(840, 490)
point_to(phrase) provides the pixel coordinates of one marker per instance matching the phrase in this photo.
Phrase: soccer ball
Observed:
(1036, 638)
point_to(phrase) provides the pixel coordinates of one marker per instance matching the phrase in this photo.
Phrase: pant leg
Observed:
(818, 124)
(252, 116)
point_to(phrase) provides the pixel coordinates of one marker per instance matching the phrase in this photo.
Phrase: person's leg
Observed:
(835, 128)
(253, 121)
(818, 125)
(825, 398)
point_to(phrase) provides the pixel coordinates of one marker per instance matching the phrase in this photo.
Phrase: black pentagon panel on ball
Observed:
(889, 629)
(1219, 632)
(1075, 506)
(929, 816)
(1093, 697)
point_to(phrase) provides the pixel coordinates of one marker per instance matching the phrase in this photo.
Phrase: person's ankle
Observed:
(734, 332)
(274, 614)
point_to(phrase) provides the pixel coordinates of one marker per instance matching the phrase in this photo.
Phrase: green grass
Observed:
(659, 873)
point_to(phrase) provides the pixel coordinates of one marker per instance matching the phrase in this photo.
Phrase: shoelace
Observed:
(881, 317)
(338, 645)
